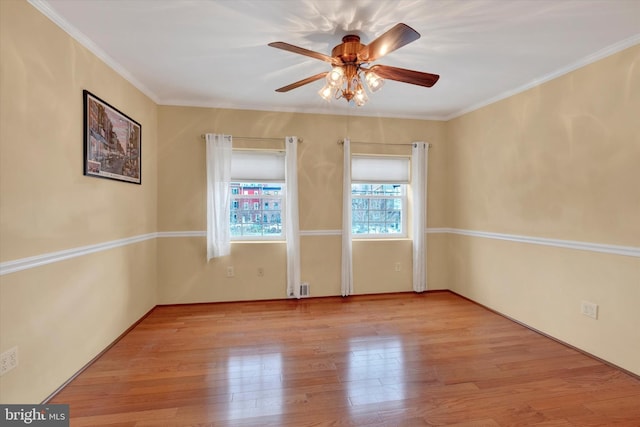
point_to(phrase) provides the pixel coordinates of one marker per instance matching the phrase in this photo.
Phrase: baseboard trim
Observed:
(98, 356)
(551, 337)
(311, 298)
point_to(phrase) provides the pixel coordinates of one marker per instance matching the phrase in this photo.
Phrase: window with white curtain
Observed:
(257, 195)
(379, 196)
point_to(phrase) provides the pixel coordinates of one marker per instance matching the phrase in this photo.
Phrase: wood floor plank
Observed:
(376, 360)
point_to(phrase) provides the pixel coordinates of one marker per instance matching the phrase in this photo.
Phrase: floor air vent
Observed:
(304, 290)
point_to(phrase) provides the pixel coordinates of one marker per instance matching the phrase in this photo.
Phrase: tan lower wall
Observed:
(437, 261)
(374, 266)
(184, 275)
(320, 260)
(61, 315)
(543, 287)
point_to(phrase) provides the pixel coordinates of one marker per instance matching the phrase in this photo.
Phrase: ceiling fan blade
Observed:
(302, 82)
(302, 51)
(395, 38)
(406, 76)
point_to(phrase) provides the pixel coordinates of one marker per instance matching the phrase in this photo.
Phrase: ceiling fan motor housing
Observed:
(348, 50)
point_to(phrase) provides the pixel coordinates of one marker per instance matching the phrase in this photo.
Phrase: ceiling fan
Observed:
(349, 61)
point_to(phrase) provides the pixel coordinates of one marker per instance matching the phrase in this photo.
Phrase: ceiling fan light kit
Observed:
(345, 80)
(347, 86)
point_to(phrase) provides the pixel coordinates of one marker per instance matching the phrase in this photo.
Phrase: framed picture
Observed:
(112, 142)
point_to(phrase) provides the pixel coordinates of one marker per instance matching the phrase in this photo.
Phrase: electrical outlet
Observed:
(260, 272)
(589, 309)
(398, 267)
(8, 360)
(230, 271)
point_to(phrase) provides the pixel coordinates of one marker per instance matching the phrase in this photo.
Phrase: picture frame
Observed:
(112, 142)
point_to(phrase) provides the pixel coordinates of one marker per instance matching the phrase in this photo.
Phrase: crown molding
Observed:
(47, 10)
(589, 59)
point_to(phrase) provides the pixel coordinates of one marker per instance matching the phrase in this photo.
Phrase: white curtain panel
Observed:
(219, 148)
(419, 162)
(347, 268)
(292, 227)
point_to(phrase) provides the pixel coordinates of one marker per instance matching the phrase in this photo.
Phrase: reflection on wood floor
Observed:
(384, 360)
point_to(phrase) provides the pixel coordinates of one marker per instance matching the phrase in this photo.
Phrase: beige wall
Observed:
(181, 205)
(558, 161)
(61, 315)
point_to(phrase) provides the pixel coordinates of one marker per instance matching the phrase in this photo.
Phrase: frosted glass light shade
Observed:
(326, 92)
(360, 96)
(374, 81)
(335, 77)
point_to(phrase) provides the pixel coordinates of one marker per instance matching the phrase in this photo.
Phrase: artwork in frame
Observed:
(112, 142)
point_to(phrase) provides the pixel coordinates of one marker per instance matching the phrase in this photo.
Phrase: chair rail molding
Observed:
(14, 266)
(632, 251)
(51, 257)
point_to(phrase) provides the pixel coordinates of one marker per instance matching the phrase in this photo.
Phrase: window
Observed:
(378, 209)
(258, 177)
(379, 196)
(251, 221)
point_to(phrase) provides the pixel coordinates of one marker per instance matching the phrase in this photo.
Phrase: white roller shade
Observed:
(259, 166)
(390, 170)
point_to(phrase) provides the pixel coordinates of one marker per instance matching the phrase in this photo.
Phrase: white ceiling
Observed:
(214, 53)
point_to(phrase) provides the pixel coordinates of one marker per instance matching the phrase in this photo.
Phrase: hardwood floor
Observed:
(385, 360)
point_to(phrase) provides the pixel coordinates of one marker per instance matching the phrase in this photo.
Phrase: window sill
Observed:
(258, 241)
(380, 239)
